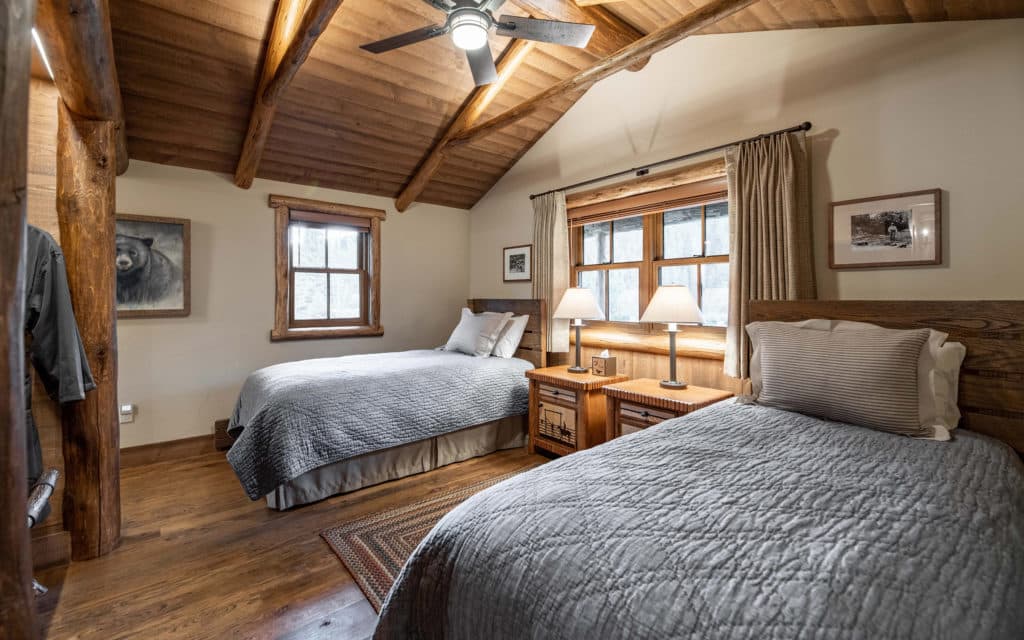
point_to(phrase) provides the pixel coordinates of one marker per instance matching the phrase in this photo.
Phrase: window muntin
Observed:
(327, 273)
(624, 260)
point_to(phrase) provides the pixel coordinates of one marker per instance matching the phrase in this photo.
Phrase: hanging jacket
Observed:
(53, 343)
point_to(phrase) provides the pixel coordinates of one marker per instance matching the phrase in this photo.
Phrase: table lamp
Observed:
(672, 305)
(578, 304)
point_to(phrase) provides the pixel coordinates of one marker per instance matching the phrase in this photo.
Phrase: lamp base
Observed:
(672, 384)
(578, 369)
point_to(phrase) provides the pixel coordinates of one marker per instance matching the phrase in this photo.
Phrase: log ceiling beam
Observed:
(296, 28)
(17, 606)
(76, 36)
(611, 32)
(468, 114)
(645, 47)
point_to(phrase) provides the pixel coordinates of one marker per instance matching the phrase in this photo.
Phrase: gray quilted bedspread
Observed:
(733, 522)
(295, 417)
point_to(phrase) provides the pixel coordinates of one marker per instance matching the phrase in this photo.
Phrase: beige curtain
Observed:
(551, 261)
(770, 246)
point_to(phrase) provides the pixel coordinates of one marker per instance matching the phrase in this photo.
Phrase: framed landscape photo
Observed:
(518, 263)
(153, 267)
(898, 230)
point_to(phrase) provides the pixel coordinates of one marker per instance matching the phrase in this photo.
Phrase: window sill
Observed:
(708, 344)
(277, 335)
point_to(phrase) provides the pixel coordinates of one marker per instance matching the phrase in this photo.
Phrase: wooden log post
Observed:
(17, 610)
(86, 165)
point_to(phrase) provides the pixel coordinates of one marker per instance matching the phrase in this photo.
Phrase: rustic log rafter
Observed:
(468, 114)
(78, 42)
(610, 35)
(645, 47)
(297, 27)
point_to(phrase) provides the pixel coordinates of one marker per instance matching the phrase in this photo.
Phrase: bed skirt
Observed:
(399, 462)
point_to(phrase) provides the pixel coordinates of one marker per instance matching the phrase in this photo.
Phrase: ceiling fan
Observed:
(469, 22)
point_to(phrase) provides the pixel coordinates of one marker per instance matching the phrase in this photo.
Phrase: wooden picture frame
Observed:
(517, 263)
(896, 230)
(167, 244)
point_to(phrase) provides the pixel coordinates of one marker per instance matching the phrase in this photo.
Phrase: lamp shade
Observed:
(578, 303)
(672, 304)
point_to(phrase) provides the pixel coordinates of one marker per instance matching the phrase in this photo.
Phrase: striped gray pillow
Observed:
(867, 378)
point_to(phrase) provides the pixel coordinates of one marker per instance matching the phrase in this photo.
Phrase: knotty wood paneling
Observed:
(362, 122)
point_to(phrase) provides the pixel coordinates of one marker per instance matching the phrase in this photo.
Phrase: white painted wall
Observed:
(185, 373)
(895, 108)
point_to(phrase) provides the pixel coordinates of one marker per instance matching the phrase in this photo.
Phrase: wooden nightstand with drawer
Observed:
(638, 404)
(567, 410)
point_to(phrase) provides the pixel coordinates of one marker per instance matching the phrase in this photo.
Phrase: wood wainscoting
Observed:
(642, 352)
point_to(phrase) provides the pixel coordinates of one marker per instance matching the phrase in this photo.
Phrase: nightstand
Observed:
(638, 404)
(567, 410)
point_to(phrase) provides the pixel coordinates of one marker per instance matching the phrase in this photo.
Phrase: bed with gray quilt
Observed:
(298, 418)
(737, 521)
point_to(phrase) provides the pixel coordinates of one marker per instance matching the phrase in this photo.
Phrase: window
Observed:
(328, 264)
(623, 251)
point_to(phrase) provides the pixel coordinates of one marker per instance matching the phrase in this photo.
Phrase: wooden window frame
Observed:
(650, 206)
(290, 212)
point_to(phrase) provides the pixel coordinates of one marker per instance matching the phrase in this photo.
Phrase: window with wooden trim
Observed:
(328, 269)
(623, 250)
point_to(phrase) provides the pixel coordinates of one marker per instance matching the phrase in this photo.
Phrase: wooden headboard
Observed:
(534, 344)
(992, 378)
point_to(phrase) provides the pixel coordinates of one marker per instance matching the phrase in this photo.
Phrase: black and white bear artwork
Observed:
(145, 276)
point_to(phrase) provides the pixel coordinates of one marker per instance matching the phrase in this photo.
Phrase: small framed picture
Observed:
(518, 263)
(898, 230)
(153, 267)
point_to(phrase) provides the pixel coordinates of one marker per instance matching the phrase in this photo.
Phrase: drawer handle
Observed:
(646, 414)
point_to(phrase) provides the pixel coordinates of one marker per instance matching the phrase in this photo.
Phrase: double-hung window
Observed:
(623, 250)
(328, 264)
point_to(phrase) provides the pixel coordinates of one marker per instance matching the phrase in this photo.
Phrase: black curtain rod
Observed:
(644, 170)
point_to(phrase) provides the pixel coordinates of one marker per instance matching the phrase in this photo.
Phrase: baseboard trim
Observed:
(164, 451)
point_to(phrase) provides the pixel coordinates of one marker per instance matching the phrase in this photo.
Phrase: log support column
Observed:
(17, 610)
(86, 167)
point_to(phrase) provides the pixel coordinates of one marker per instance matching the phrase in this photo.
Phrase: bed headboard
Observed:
(534, 345)
(992, 378)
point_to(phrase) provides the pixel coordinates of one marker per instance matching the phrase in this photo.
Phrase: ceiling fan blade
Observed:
(491, 5)
(481, 62)
(412, 37)
(571, 34)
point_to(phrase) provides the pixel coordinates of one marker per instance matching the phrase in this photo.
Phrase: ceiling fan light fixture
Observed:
(469, 29)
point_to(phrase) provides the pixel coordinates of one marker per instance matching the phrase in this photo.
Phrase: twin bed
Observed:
(748, 521)
(311, 429)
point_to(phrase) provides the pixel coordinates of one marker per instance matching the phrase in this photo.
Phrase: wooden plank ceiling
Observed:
(355, 121)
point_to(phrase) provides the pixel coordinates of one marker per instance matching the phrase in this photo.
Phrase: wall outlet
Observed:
(126, 413)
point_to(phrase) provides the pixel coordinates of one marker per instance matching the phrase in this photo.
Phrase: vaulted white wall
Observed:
(895, 108)
(185, 373)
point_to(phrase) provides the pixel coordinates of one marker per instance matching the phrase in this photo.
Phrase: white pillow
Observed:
(510, 337)
(476, 335)
(938, 371)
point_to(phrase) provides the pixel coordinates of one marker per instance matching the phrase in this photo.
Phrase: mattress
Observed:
(736, 521)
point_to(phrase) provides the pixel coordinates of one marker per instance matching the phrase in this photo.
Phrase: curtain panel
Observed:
(771, 253)
(551, 262)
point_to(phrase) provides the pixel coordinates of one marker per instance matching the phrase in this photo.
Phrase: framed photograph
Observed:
(899, 230)
(518, 263)
(153, 267)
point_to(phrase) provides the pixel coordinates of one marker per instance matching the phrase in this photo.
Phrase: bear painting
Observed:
(152, 267)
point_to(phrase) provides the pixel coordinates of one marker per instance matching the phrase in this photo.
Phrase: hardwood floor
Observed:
(199, 560)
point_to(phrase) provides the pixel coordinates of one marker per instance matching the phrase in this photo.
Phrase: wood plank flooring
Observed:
(199, 560)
